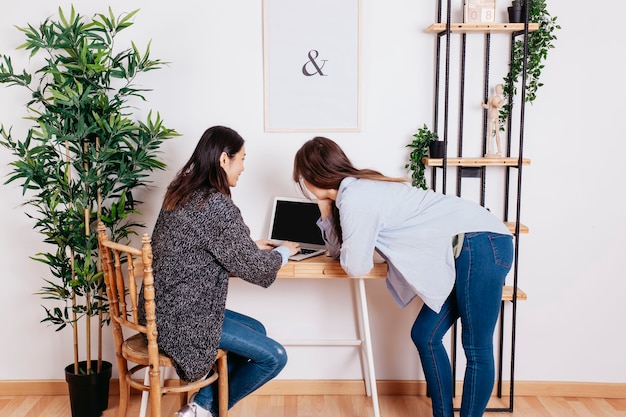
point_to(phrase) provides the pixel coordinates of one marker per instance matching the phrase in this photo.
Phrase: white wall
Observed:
(571, 327)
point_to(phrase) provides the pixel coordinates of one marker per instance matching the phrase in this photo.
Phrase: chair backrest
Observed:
(122, 266)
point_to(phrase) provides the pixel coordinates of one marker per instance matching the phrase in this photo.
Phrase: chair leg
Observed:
(124, 397)
(222, 385)
(155, 391)
(183, 397)
(146, 394)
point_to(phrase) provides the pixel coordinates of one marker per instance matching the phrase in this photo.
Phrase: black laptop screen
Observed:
(295, 221)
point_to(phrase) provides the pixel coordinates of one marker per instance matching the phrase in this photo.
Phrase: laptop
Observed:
(294, 219)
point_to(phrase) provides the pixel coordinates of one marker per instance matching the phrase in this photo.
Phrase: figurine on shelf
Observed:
(493, 104)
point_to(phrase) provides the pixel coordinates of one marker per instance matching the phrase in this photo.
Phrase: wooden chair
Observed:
(122, 264)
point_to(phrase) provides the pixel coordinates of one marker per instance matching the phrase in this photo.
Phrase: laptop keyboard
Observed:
(306, 251)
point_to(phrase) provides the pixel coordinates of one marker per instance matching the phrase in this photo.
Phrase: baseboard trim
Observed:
(357, 387)
(394, 387)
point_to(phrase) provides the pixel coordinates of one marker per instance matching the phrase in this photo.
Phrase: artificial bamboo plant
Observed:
(82, 158)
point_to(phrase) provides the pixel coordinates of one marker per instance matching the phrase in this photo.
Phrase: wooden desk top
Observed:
(325, 267)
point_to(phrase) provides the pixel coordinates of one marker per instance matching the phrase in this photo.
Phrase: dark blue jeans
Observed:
(481, 269)
(253, 360)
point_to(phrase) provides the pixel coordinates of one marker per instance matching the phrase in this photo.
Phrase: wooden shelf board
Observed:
(507, 293)
(469, 162)
(481, 27)
(511, 226)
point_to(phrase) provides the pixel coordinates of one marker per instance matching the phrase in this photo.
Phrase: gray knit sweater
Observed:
(196, 249)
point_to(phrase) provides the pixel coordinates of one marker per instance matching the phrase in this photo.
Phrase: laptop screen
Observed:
(295, 220)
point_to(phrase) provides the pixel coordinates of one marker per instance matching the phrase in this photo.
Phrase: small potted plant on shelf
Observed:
(516, 11)
(79, 163)
(425, 142)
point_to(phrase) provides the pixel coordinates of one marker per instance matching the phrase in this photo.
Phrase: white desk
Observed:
(324, 267)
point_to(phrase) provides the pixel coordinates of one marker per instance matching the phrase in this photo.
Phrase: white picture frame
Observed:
(311, 54)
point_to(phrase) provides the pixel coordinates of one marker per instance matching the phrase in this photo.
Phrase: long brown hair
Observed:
(203, 170)
(323, 164)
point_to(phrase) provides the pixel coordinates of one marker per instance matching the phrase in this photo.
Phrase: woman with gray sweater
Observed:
(199, 241)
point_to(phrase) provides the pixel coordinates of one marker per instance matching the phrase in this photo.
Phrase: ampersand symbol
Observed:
(312, 61)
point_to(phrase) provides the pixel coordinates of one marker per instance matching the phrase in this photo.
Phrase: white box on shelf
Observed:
(479, 11)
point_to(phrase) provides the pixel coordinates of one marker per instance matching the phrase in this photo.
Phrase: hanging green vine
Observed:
(539, 44)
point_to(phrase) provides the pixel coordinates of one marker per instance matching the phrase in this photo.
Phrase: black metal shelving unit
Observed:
(477, 168)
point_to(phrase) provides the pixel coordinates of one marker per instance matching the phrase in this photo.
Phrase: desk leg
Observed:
(367, 354)
(144, 395)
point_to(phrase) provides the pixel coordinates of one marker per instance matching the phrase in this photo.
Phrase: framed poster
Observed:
(311, 65)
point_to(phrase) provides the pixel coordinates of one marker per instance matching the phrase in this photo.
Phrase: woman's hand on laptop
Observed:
(293, 247)
(266, 244)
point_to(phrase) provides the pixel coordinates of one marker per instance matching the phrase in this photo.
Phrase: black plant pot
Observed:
(89, 394)
(516, 14)
(436, 149)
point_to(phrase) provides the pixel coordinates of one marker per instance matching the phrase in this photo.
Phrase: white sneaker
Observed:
(193, 410)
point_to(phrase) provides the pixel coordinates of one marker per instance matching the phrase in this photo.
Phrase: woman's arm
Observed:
(228, 239)
(329, 234)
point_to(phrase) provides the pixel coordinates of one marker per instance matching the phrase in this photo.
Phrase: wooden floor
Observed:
(327, 406)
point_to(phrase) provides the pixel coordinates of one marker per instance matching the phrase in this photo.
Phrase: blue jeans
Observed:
(481, 269)
(253, 359)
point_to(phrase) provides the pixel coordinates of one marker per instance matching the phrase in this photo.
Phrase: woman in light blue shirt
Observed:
(451, 253)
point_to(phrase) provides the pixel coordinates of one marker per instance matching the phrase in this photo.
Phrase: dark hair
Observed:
(323, 164)
(203, 170)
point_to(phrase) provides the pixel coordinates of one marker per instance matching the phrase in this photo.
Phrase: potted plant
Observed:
(516, 11)
(540, 42)
(79, 163)
(421, 146)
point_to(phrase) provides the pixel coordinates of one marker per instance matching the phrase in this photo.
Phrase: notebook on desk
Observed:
(294, 219)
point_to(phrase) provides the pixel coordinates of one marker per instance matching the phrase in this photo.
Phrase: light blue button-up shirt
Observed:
(411, 228)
